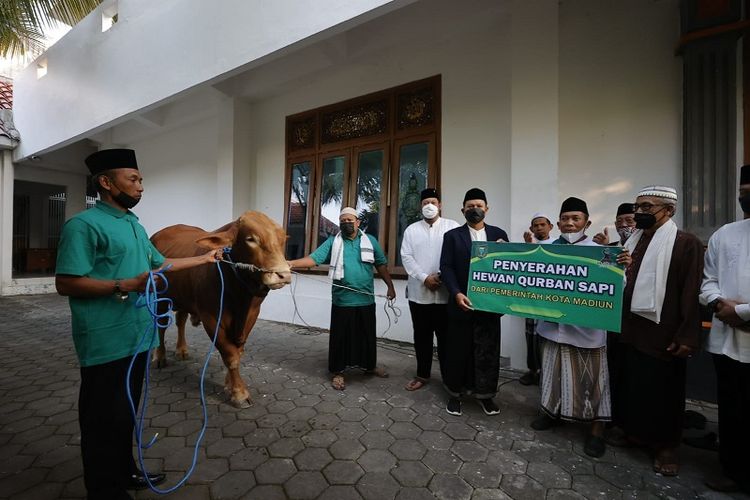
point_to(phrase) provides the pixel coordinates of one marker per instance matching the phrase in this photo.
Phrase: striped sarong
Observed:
(575, 382)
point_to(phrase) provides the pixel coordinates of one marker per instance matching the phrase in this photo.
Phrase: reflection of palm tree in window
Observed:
(368, 199)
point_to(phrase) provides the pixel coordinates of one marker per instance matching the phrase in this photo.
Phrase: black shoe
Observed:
(706, 442)
(694, 420)
(544, 422)
(529, 378)
(594, 446)
(489, 406)
(138, 481)
(454, 407)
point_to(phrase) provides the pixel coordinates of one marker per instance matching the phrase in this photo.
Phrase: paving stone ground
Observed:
(301, 439)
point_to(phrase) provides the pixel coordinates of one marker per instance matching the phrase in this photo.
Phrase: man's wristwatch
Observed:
(119, 293)
(712, 305)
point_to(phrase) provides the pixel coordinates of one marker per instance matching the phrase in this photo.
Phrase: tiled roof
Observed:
(6, 94)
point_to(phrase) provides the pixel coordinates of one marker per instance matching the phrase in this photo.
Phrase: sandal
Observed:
(415, 384)
(378, 372)
(666, 463)
(338, 382)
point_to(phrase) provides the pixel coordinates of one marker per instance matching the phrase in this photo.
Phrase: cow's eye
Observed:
(251, 239)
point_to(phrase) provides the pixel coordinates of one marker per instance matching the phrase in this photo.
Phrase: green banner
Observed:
(573, 284)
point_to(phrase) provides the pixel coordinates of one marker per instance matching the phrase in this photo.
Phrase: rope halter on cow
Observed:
(241, 265)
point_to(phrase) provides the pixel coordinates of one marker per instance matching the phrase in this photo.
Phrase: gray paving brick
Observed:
(521, 487)
(414, 494)
(434, 440)
(343, 472)
(411, 473)
(408, 449)
(248, 459)
(305, 485)
(404, 430)
(480, 475)
(233, 484)
(549, 475)
(275, 471)
(377, 440)
(319, 438)
(340, 492)
(285, 447)
(346, 449)
(266, 492)
(377, 486)
(450, 487)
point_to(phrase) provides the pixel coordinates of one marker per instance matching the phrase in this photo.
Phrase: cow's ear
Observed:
(218, 240)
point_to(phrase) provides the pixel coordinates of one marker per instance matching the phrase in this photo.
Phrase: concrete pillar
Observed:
(6, 219)
(234, 172)
(534, 130)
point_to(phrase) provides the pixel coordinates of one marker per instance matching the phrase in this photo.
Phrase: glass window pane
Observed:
(298, 206)
(412, 179)
(331, 196)
(369, 183)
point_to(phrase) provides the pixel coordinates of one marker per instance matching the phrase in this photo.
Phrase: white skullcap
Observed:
(541, 214)
(659, 191)
(348, 211)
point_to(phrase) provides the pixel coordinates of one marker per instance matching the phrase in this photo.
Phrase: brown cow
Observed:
(255, 239)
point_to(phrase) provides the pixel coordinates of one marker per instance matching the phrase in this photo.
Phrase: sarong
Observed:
(352, 340)
(575, 383)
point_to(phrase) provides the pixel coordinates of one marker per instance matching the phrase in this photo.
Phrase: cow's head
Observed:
(255, 239)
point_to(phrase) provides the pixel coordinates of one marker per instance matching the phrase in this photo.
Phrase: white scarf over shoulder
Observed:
(651, 282)
(367, 254)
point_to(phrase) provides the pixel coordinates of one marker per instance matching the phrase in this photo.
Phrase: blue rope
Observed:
(150, 300)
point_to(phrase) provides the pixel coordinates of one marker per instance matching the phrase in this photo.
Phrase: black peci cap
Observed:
(108, 159)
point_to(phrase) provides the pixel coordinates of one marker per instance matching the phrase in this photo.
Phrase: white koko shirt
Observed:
(726, 274)
(420, 254)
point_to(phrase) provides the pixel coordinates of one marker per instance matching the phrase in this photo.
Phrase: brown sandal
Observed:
(666, 463)
(415, 384)
(337, 382)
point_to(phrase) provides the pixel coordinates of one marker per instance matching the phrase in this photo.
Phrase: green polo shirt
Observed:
(106, 243)
(357, 274)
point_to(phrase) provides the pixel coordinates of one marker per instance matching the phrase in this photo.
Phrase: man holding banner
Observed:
(472, 352)
(660, 328)
(575, 378)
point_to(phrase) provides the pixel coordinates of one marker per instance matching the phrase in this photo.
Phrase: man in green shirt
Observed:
(352, 254)
(103, 260)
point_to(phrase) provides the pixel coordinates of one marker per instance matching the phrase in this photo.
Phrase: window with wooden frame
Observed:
(374, 153)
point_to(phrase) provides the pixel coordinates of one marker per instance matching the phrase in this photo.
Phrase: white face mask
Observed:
(430, 211)
(572, 237)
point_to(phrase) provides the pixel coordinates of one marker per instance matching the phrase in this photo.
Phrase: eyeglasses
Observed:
(646, 207)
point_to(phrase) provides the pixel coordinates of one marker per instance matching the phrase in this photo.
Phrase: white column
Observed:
(6, 220)
(534, 131)
(234, 170)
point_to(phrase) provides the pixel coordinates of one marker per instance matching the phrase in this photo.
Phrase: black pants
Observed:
(650, 397)
(428, 319)
(107, 426)
(472, 355)
(733, 391)
(533, 349)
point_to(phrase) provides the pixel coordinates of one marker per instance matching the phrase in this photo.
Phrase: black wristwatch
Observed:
(119, 293)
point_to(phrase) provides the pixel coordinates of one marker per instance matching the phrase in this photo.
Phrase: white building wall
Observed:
(473, 61)
(620, 101)
(158, 50)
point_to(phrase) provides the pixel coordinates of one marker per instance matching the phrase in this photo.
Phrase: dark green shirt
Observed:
(106, 243)
(357, 274)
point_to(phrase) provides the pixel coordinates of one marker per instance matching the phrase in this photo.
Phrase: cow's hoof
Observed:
(242, 404)
(182, 356)
(160, 363)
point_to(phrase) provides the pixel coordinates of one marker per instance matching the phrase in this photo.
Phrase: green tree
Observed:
(22, 22)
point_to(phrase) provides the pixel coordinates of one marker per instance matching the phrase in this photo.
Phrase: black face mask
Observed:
(745, 203)
(347, 228)
(646, 221)
(123, 199)
(474, 215)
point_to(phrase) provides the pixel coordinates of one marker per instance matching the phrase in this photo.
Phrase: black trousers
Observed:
(107, 426)
(533, 348)
(733, 391)
(650, 397)
(428, 319)
(472, 355)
